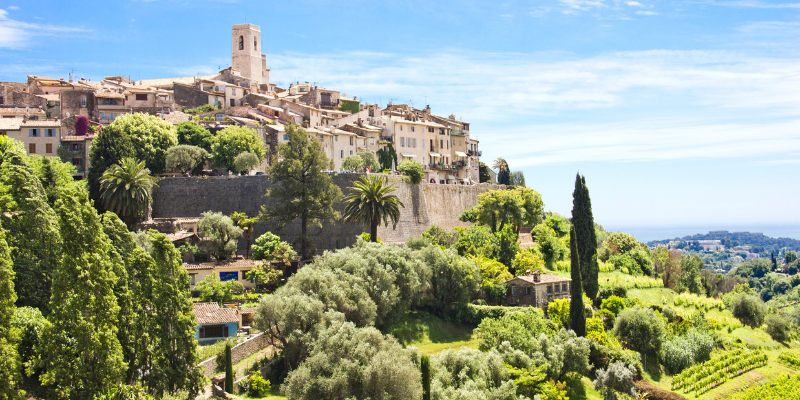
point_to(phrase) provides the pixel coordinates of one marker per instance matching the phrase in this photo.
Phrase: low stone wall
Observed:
(238, 353)
(425, 205)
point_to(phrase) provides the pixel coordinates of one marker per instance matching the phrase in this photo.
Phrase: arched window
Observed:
(241, 42)
(255, 44)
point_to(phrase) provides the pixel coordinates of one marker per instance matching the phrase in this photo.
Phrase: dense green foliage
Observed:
(517, 207)
(82, 355)
(235, 140)
(218, 235)
(748, 308)
(412, 170)
(680, 352)
(347, 361)
(228, 368)
(300, 189)
(212, 289)
(640, 329)
(192, 134)
(244, 162)
(9, 371)
(361, 162)
(185, 159)
(372, 201)
(32, 233)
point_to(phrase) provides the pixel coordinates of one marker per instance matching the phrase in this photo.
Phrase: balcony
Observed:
(474, 153)
(442, 166)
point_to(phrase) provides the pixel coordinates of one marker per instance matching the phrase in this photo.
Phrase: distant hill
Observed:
(760, 243)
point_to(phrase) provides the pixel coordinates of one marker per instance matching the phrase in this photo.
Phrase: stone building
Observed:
(247, 57)
(536, 289)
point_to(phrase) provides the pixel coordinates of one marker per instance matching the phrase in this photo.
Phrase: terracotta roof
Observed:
(238, 263)
(543, 278)
(36, 123)
(180, 235)
(212, 314)
(10, 124)
(76, 138)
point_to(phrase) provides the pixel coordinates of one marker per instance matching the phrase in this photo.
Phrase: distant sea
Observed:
(648, 233)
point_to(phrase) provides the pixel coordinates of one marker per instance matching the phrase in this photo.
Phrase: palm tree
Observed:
(126, 189)
(503, 172)
(372, 200)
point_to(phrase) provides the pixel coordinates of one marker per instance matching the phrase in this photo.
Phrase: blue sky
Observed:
(678, 112)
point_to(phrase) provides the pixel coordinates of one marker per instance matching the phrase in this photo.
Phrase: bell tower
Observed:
(246, 53)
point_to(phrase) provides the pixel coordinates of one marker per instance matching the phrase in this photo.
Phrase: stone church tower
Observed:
(247, 57)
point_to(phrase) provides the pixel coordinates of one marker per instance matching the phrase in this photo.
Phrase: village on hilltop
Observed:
(43, 111)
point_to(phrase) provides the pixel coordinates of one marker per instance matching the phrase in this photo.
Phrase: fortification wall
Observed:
(425, 205)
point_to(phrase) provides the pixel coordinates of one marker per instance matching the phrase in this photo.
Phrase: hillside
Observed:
(759, 243)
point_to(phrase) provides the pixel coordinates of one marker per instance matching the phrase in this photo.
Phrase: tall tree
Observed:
(137, 310)
(175, 359)
(300, 190)
(108, 148)
(577, 318)
(82, 355)
(372, 200)
(9, 369)
(233, 141)
(126, 189)
(245, 223)
(583, 222)
(32, 227)
(503, 172)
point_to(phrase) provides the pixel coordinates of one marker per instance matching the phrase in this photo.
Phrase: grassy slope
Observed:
(729, 328)
(431, 334)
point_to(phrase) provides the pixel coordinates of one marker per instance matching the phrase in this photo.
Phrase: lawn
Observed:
(430, 334)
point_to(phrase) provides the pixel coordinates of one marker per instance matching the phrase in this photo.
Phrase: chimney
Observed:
(537, 276)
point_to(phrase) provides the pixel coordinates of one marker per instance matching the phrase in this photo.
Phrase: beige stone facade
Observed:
(536, 289)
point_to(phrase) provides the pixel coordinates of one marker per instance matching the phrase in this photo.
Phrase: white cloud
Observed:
(573, 6)
(16, 34)
(709, 104)
(755, 4)
(633, 4)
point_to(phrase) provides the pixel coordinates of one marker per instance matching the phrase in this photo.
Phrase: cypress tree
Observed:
(577, 319)
(9, 371)
(82, 355)
(583, 222)
(33, 235)
(228, 369)
(425, 369)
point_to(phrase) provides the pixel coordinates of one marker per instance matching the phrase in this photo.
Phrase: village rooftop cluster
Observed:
(42, 113)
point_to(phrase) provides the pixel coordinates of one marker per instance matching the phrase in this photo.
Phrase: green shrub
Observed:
(255, 385)
(749, 309)
(778, 327)
(640, 329)
(412, 170)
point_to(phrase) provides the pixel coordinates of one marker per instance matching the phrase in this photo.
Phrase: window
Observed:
(412, 129)
(549, 288)
(32, 148)
(141, 96)
(351, 140)
(241, 42)
(402, 142)
(430, 129)
(213, 331)
(341, 155)
(2, 100)
(401, 127)
(286, 137)
(564, 287)
(229, 276)
(48, 148)
(441, 143)
(233, 103)
(83, 101)
(33, 132)
(255, 44)
(76, 162)
(50, 132)
(528, 290)
(76, 147)
(513, 290)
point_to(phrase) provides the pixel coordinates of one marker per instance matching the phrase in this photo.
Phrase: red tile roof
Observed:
(543, 278)
(213, 314)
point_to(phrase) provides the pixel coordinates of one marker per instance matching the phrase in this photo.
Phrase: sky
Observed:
(678, 113)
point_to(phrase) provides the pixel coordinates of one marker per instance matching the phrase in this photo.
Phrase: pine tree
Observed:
(9, 364)
(228, 369)
(577, 319)
(300, 190)
(82, 355)
(425, 369)
(583, 222)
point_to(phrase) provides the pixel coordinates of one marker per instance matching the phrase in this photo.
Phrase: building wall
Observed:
(40, 142)
(188, 96)
(425, 205)
(248, 61)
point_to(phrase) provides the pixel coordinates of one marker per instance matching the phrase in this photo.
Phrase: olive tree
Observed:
(218, 235)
